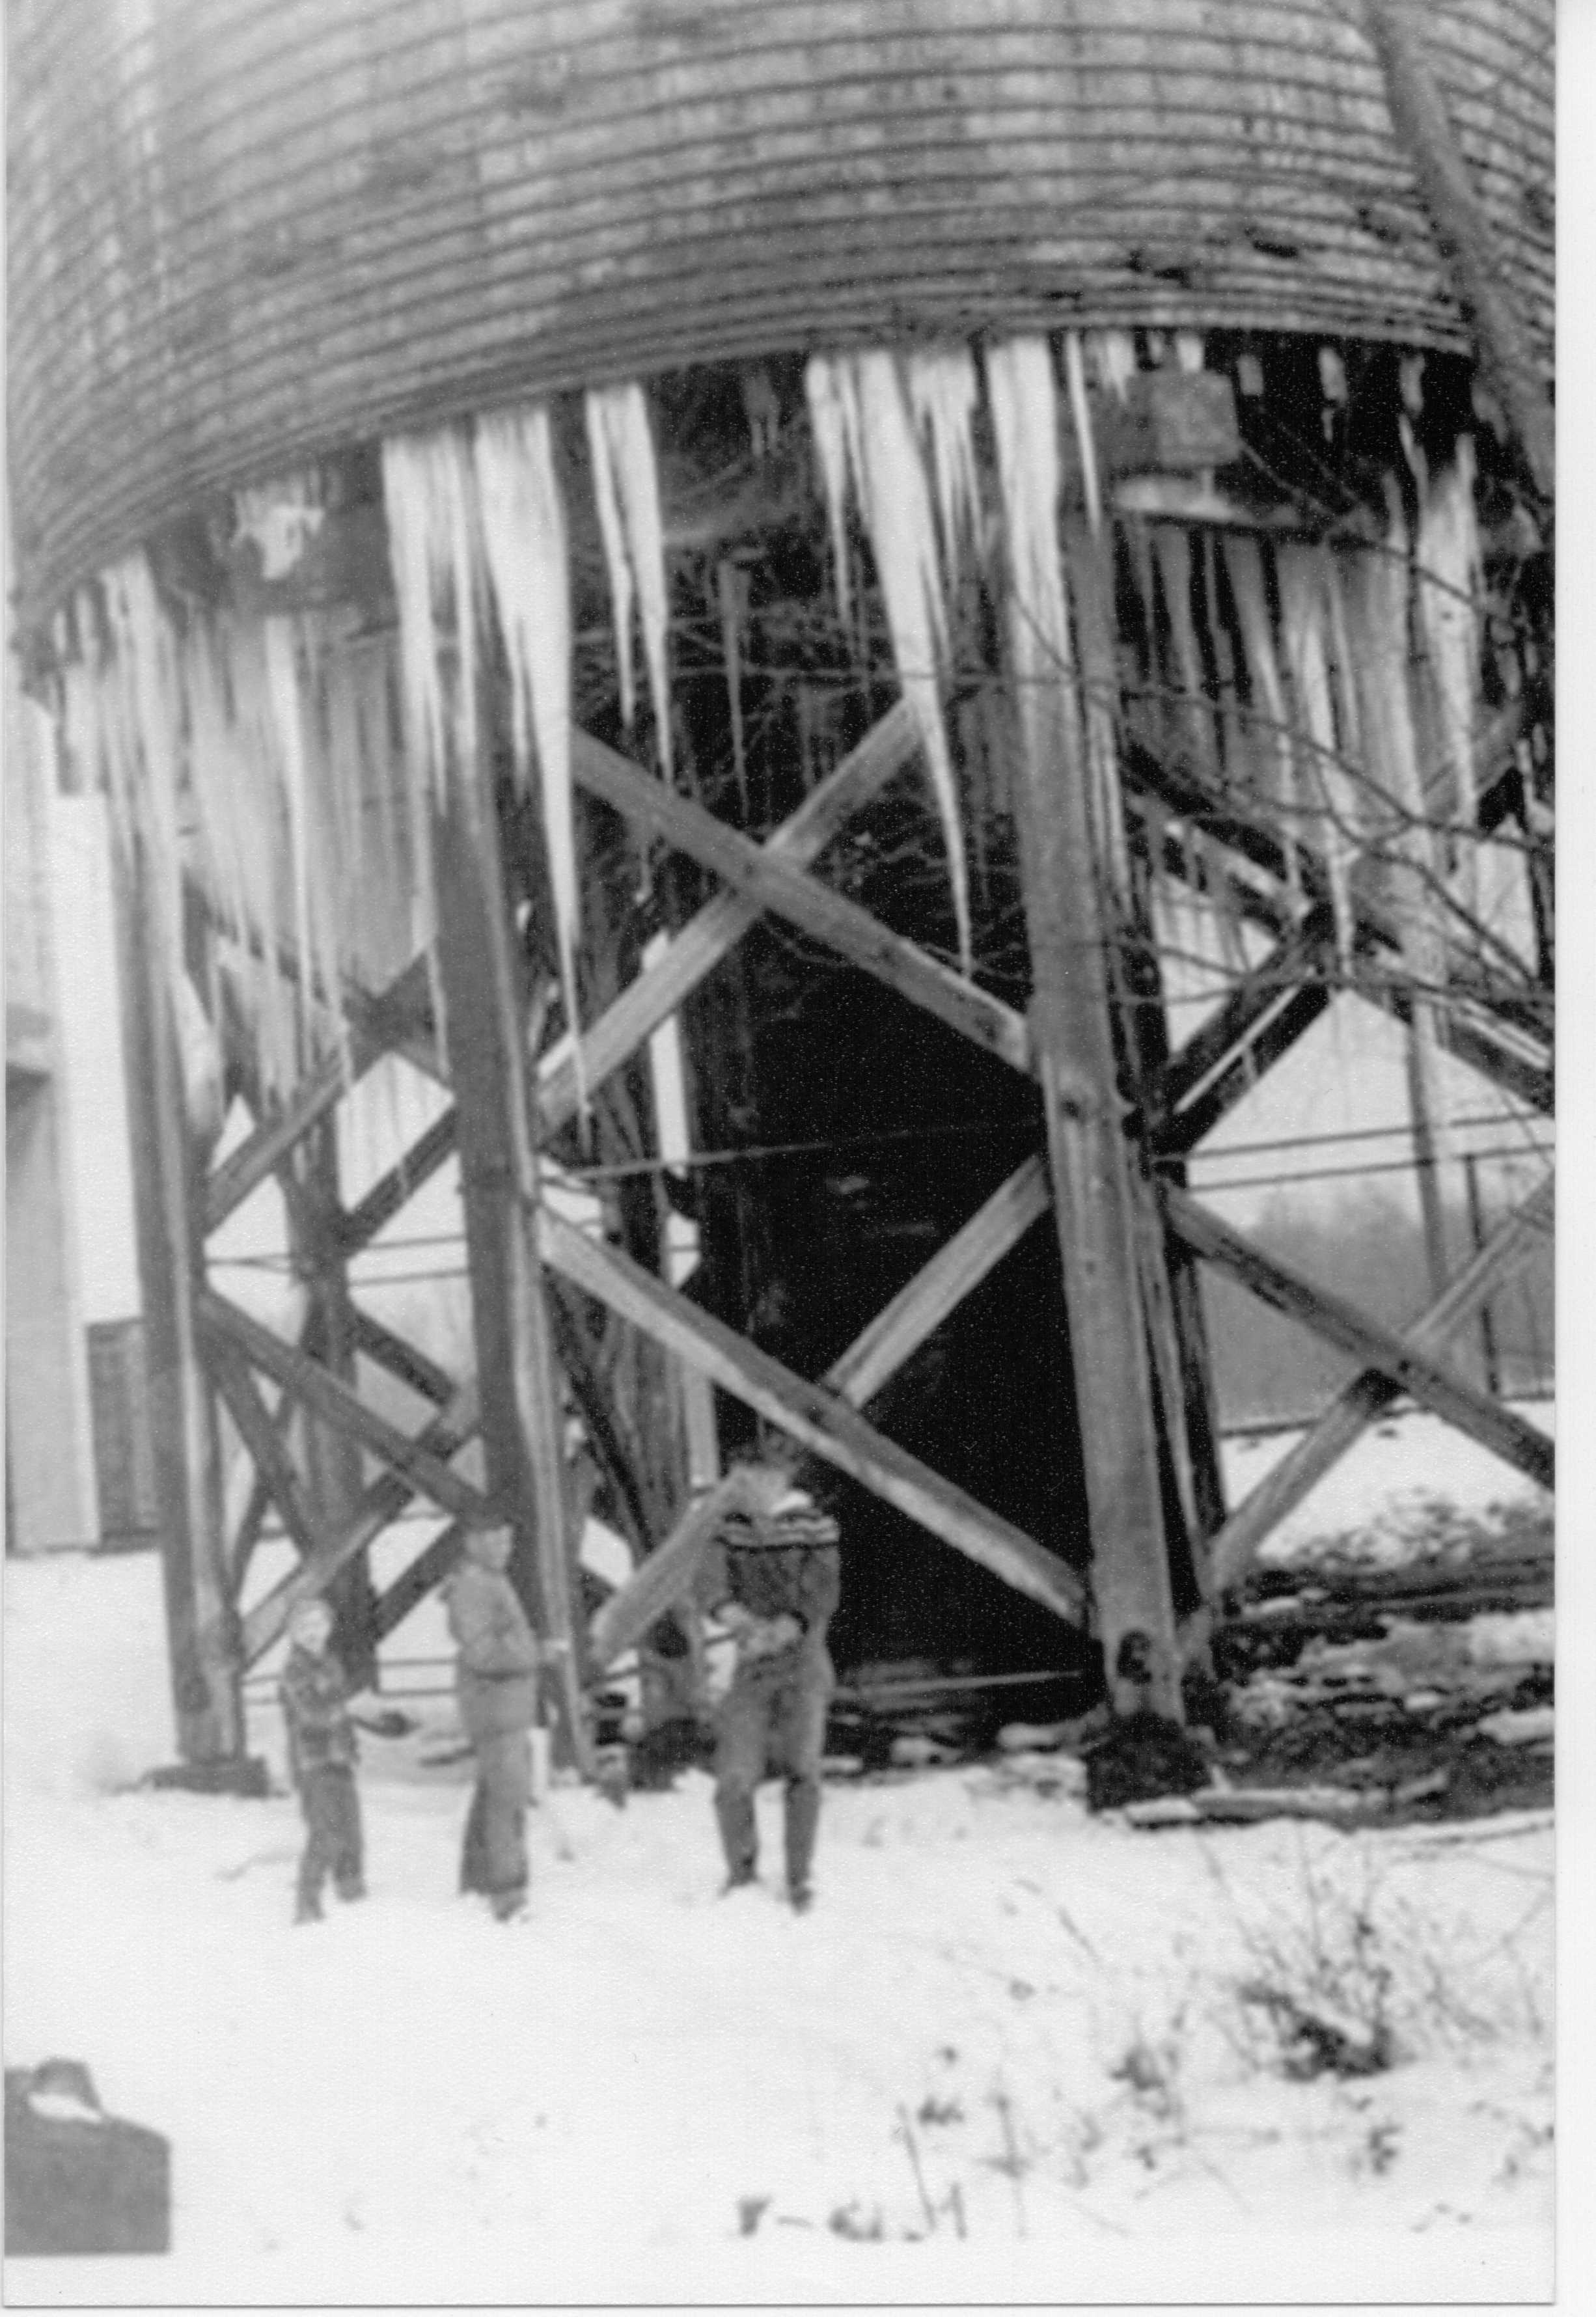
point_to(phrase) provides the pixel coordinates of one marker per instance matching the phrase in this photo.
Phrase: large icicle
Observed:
(523, 537)
(1448, 554)
(1021, 395)
(943, 394)
(626, 488)
(1375, 584)
(1085, 440)
(433, 547)
(890, 480)
(1305, 612)
(834, 423)
(1244, 562)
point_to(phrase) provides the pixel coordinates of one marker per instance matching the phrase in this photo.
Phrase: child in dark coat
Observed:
(321, 1754)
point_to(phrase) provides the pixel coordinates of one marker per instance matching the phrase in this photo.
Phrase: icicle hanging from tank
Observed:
(1021, 396)
(1306, 614)
(239, 826)
(860, 402)
(1244, 564)
(433, 544)
(626, 490)
(1089, 564)
(1375, 584)
(523, 539)
(1448, 557)
(943, 395)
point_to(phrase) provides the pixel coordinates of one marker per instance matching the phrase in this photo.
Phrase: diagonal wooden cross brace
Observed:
(882, 1348)
(1368, 1395)
(813, 1413)
(769, 880)
(1407, 1360)
(383, 1502)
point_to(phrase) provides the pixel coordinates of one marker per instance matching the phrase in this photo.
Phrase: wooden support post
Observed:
(1178, 1341)
(523, 1421)
(1406, 1362)
(1369, 1395)
(1467, 238)
(1073, 1034)
(202, 1625)
(333, 1459)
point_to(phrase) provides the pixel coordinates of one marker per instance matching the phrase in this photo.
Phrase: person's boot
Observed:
(351, 1888)
(802, 1820)
(307, 1911)
(509, 1906)
(734, 1815)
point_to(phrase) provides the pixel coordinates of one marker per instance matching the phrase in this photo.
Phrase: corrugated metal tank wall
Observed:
(242, 231)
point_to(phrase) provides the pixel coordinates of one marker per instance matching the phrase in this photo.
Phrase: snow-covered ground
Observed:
(1004, 2057)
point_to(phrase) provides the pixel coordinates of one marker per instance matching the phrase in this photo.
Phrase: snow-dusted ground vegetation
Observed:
(1014, 2052)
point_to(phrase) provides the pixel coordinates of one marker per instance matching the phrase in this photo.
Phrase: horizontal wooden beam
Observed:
(716, 931)
(1330, 1316)
(1369, 1395)
(918, 1309)
(814, 1414)
(343, 1409)
(382, 1505)
(775, 883)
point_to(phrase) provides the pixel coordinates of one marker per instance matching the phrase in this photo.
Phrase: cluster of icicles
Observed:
(264, 754)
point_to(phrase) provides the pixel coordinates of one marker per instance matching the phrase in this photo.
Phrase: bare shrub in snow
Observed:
(1346, 1977)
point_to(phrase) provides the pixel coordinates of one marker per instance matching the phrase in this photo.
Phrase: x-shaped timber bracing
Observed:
(1268, 1010)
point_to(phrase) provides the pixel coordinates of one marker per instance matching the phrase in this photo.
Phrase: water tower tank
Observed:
(246, 232)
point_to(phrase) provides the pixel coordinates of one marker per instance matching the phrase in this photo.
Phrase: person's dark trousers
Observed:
(333, 1844)
(494, 1856)
(773, 1718)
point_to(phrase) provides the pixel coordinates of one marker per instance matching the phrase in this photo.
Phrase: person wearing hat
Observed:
(771, 1576)
(496, 1682)
(321, 1755)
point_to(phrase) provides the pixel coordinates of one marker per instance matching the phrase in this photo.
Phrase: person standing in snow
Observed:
(496, 1681)
(321, 1754)
(771, 1575)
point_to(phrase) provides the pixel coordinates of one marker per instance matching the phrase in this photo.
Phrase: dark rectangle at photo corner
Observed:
(77, 2185)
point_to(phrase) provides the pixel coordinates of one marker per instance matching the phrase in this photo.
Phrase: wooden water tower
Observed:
(746, 500)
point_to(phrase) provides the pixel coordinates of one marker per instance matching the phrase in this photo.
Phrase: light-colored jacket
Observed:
(496, 1671)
